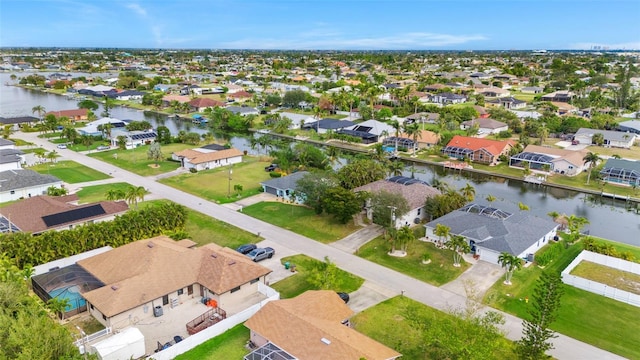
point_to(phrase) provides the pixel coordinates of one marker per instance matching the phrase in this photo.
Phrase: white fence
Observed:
(599, 288)
(88, 338)
(217, 329)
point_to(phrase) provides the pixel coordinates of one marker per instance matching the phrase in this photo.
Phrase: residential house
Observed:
(313, 325)
(405, 142)
(205, 159)
(490, 231)
(285, 187)
(322, 126)
(163, 87)
(23, 183)
(73, 114)
(38, 214)
(415, 191)
(423, 118)
(484, 151)
(508, 103)
(494, 92)
(16, 122)
(202, 104)
(233, 88)
(611, 138)
(243, 110)
(168, 99)
(619, 171)
(91, 128)
(127, 95)
(632, 126)
(486, 126)
(532, 90)
(144, 278)
(480, 76)
(10, 157)
(240, 96)
(564, 108)
(523, 115)
(559, 161)
(448, 99)
(368, 131)
(133, 139)
(482, 111)
(297, 120)
(558, 96)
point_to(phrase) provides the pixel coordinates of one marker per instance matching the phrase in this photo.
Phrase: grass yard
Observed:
(301, 220)
(214, 184)
(93, 146)
(618, 279)
(439, 271)
(97, 193)
(620, 247)
(135, 160)
(633, 153)
(70, 171)
(204, 229)
(298, 283)
(87, 323)
(419, 332)
(228, 345)
(606, 323)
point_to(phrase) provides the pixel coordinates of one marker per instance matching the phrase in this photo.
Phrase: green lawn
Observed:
(93, 146)
(228, 345)
(301, 220)
(618, 279)
(136, 161)
(214, 185)
(621, 247)
(298, 283)
(70, 171)
(594, 319)
(97, 193)
(204, 229)
(439, 271)
(416, 330)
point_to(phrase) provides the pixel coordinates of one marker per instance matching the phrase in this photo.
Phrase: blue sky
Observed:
(322, 24)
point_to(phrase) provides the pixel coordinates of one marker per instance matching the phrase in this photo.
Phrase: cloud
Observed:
(329, 40)
(619, 46)
(137, 9)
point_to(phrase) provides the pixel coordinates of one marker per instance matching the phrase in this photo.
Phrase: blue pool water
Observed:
(70, 293)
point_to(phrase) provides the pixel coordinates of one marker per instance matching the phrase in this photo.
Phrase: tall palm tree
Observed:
(413, 131)
(395, 168)
(404, 237)
(440, 185)
(459, 245)
(469, 192)
(592, 159)
(442, 232)
(135, 194)
(114, 194)
(511, 263)
(39, 109)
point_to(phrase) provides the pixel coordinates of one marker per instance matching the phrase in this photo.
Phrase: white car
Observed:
(61, 146)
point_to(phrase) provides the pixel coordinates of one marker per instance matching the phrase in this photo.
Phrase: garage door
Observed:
(270, 190)
(488, 255)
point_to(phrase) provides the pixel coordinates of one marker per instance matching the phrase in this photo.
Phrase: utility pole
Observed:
(229, 188)
(393, 215)
(84, 341)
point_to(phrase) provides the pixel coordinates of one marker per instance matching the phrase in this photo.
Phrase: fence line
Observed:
(217, 329)
(60, 263)
(91, 337)
(600, 288)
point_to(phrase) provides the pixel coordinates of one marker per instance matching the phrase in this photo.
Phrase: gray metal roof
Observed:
(23, 178)
(285, 182)
(608, 134)
(514, 234)
(622, 164)
(5, 142)
(10, 156)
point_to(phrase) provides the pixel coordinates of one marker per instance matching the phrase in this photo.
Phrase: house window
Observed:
(189, 289)
(254, 281)
(13, 192)
(165, 300)
(180, 292)
(419, 211)
(91, 306)
(104, 317)
(235, 289)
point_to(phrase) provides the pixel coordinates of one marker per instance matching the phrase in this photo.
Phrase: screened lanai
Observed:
(403, 144)
(621, 175)
(536, 161)
(457, 152)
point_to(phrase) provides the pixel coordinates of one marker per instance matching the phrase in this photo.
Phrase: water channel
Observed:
(608, 218)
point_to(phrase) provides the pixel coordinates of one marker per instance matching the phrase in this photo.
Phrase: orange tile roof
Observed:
(426, 136)
(206, 102)
(197, 157)
(494, 147)
(69, 113)
(299, 326)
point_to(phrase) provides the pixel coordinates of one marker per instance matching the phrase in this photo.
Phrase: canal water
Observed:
(611, 219)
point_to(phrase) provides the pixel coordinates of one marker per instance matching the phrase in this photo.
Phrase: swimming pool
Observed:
(71, 293)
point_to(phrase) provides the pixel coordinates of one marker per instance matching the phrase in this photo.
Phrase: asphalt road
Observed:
(565, 347)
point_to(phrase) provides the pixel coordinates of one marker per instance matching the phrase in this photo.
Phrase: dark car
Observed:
(271, 167)
(246, 248)
(344, 296)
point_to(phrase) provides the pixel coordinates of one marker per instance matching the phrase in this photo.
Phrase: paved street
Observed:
(378, 276)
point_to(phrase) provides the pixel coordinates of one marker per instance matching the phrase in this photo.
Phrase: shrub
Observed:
(504, 134)
(193, 170)
(547, 256)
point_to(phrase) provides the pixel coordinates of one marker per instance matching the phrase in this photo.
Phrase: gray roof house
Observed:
(243, 110)
(284, 186)
(620, 171)
(491, 231)
(632, 126)
(611, 138)
(23, 183)
(324, 125)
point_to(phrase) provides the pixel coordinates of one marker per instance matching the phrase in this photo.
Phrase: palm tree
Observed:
(395, 168)
(523, 206)
(575, 223)
(459, 245)
(404, 237)
(490, 198)
(592, 159)
(440, 185)
(442, 231)
(114, 194)
(469, 192)
(58, 305)
(511, 263)
(52, 155)
(39, 109)
(135, 194)
(413, 131)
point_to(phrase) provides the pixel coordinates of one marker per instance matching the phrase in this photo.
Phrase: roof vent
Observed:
(232, 262)
(150, 245)
(326, 341)
(114, 287)
(214, 256)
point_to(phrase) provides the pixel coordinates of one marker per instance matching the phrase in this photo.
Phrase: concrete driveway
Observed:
(352, 242)
(278, 271)
(480, 276)
(368, 295)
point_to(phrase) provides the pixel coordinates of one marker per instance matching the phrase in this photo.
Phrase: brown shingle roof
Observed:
(206, 102)
(415, 194)
(494, 147)
(197, 157)
(69, 113)
(298, 326)
(145, 270)
(28, 213)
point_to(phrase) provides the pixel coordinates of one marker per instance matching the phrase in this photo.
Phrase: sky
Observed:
(322, 24)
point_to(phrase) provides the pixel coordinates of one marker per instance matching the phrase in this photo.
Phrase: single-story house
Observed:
(423, 117)
(480, 76)
(424, 138)
(447, 98)
(527, 114)
(508, 103)
(168, 99)
(240, 96)
(145, 276)
(133, 139)
(38, 214)
(297, 120)
(368, 131)
(415, 191)
(621, 171)
(204, 159)
(532, 90)
(491, 231)
(313, 325)
(558, 96)
(476, 149)
(632, 126)
(486, 126)
(611, 138)
(163, 87)
(494, 92)
(18, 120)
(560, 161)
(285, 186)
(91, 128)
(323, 125)
(97, 90)
(202, 104)
(127, 95)
(23, 183)
(73, 114)
(243, 110)
(564, 108)
(11, 159)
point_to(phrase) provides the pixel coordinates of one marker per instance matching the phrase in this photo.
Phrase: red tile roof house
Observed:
(42, 213)
(201, 104)
(313, 325)
(483, 151)
(73, 115)
(240, 96)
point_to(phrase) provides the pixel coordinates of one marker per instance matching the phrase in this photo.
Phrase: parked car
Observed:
(261, 254)
(61, 146)
(246, 248)
(344, 296)
(271, 167)
(103, 147)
